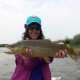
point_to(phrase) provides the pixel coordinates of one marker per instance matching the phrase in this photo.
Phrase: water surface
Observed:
(64, 67)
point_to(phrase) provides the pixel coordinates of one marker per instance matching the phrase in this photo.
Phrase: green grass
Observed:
(75, 46)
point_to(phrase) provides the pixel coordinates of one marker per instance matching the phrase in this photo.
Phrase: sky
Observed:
(60, 18)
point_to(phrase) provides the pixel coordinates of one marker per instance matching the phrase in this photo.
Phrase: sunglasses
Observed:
(36, 28)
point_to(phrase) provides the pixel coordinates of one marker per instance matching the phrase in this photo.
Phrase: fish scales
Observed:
(40, 48)
(33, 43)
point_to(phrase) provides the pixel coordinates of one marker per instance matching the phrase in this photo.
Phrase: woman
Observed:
(33, 68)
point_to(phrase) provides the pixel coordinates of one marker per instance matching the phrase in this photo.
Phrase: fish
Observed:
(43, 48)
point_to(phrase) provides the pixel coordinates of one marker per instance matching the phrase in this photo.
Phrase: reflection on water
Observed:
(65, 68)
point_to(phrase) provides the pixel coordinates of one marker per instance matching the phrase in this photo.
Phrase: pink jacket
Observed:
(25, 66)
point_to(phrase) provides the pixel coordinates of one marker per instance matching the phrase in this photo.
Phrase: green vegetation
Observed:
(74, 43)
(2, 45)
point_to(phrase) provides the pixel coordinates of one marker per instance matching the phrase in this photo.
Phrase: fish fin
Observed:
(7, 52)
(47, 59)
(72, 54)
(10, 51)
(74, 57)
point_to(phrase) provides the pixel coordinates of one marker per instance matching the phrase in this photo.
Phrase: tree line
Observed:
(72, 41)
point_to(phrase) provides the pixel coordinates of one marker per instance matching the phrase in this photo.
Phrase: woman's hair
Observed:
(26, 35)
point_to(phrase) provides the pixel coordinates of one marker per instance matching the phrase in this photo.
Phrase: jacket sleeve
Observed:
(27, 63)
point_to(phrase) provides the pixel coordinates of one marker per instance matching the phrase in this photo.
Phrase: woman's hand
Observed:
(61, 54)
(29, 51)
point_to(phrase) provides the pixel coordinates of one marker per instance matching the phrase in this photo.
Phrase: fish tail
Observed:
(74, 57)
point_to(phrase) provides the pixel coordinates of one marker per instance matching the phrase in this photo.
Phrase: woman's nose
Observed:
(34, 30)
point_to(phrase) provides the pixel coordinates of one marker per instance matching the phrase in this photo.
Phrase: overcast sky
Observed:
(60, 18)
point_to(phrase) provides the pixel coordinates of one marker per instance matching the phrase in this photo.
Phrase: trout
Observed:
(43, 48)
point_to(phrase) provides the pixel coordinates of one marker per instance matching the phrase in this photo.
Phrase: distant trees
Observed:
(67, 40)
(2, 45)
(74, 41)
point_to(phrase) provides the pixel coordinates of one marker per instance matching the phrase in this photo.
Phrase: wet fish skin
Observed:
(40, 48)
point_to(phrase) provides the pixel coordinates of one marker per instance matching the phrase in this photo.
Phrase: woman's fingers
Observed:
(29, 51)
(61, 54)
(66, 53)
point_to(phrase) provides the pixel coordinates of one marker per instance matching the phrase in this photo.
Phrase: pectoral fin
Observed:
(47, 59)
(72, 54)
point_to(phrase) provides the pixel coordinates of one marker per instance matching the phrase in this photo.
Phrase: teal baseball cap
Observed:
(32, 19)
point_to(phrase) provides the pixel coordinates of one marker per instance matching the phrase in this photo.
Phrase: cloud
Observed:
(60, 18)
(21, 5)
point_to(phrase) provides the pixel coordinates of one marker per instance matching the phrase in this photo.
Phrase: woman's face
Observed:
(34, 31)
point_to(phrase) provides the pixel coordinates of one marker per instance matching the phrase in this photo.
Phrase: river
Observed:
(65, 68)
